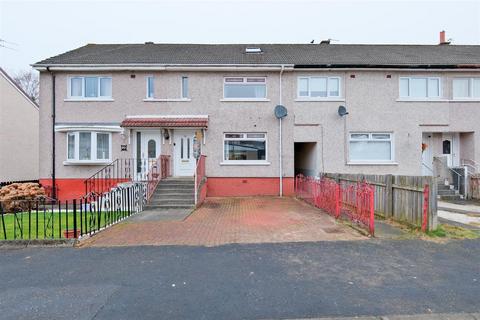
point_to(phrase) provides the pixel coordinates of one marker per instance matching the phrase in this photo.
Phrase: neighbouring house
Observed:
(18, 133)
(383, 109)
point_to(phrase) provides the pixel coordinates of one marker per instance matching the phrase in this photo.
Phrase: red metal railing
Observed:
(199, 180)
(353, 201)
(158, 169)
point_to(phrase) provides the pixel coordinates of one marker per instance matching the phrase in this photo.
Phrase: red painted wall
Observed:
(241, 187)
(67, 189)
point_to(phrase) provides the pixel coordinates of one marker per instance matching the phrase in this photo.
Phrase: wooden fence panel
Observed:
(398, 197)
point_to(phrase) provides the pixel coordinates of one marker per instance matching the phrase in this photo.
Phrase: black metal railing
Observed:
(51, 219)
(118, 171)
(126, 170)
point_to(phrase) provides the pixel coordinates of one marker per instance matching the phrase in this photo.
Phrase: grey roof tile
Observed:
(296, 54)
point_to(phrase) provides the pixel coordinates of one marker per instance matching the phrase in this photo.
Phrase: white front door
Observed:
(147, 151)
(184, 161)
(451, 148)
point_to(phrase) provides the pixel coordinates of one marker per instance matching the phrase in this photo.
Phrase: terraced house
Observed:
(350, 108)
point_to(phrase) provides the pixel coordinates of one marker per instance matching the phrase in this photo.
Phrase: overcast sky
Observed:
(39, 29)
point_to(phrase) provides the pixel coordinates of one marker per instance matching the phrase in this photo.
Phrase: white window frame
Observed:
(381, 161)
(146, 87)
(93, 147)
(244, 82)
(470, 88)
(328, 97)
(83, 97)
(245, 138)
(428, 97)
(181, 87)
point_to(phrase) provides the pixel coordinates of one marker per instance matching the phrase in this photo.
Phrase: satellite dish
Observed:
(280, 111)
(342, 111)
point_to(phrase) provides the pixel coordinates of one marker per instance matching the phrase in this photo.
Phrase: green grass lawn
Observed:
(52, 224)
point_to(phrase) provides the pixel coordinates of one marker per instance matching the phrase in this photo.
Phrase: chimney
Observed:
(442, 38)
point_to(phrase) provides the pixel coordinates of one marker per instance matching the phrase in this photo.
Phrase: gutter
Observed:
(162, 67)
(454, 67)
(54, 186)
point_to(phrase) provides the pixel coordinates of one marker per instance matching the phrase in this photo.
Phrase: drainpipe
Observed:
(54, 187)
(280, 162)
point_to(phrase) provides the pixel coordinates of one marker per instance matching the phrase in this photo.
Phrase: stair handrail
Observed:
(426, 166)
(198, 175)
(459, 176)
(471, 164)
(119, 170)
(158, 169)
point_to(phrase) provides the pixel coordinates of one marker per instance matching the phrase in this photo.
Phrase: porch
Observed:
(449, 156)
(161, 147)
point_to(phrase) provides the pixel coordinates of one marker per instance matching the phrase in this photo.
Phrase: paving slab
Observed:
(161, 215)
(468, 208)
(222, 221)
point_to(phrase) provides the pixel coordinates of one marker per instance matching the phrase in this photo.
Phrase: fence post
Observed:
(338, 196)
(432, 205)
(74, 218)
(372, 211)
(388, 196)
(3, 222)
(425, 207)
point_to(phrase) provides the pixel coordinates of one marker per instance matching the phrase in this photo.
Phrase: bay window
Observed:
(90, 87)
(420, 87)
(466, 88)
(371, 147)
(318, 87)
(88, 146)
(245, 88)
(245, 147)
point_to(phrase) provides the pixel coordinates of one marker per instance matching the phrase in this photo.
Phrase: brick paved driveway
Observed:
(232, 220)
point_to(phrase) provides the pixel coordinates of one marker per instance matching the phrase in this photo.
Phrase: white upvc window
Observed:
(420, 87)
(245, 148)
(184, 93)
(371, 147)
(150, 85)
(90, 87)
(318, 87)
(466, 88)
(245, 88)
(89, 146)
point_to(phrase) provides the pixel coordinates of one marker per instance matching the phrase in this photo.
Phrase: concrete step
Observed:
(173, 190)
(179, 186)
(168, 206)
(176, 183)
(450, 197)
(172, 195)
(442, 187)
(172, 201)
(447, 192)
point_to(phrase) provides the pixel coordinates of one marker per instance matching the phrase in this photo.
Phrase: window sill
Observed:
(358, 163)
(232, 163)
(465, 100)
(88, 100)
(320, 100)
(86, 163)
(421, 100)
(167, 100)
(244, 100)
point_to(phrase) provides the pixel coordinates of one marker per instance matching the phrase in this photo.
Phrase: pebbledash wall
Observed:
(371, 97)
